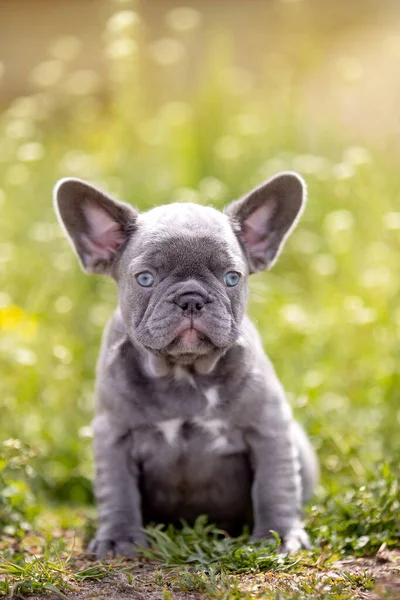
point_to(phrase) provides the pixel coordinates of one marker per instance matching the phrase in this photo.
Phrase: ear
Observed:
(96, 225)
(264, 218)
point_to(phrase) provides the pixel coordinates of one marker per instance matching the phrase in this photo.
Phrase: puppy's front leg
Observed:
(276, 492)
(117, 492)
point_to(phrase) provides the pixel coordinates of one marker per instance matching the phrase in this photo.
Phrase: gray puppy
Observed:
(191, 418)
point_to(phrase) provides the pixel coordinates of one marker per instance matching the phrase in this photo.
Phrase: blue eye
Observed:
(145, 279)
(232, 278)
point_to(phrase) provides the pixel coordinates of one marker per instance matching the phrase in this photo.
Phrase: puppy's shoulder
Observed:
(252, 357)
(254, 384)
(114, 340)
(115, 330)
(119, 370)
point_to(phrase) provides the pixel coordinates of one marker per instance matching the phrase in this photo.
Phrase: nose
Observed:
(190, 302)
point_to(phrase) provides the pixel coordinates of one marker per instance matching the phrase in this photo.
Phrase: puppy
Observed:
(191, 418)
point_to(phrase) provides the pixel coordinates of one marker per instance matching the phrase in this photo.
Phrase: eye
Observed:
(232, 278)
(145, 279)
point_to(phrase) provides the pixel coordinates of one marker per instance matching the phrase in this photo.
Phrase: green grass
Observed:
(202, 559)
(205, 546)
(328, 311)
(199, 559)
(48, 572)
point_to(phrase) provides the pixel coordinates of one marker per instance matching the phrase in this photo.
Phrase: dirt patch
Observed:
(375, 578)
(385, 569)
(138, 581)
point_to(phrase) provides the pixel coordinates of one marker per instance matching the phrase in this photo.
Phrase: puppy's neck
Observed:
(157, 365)
(161, 366)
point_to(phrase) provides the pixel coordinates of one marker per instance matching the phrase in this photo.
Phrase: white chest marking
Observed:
(170, 429)
(219, 443)
(212, 398)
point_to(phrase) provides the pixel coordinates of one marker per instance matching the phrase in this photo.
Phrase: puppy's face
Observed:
(182, 281)
(181, 269)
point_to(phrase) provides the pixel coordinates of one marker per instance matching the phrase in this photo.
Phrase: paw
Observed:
(295, 540)
(113, 548)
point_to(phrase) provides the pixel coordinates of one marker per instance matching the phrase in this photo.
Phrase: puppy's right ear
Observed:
(97, 226)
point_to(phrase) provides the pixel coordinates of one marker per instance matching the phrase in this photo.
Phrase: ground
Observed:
(194, 563)
(139, 581)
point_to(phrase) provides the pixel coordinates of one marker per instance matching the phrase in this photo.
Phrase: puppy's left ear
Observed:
(264, 218)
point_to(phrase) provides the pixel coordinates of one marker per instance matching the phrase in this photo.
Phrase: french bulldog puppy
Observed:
(191, 418)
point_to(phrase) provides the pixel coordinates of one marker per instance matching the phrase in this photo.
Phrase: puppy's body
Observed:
(191, 418)
(188, 431)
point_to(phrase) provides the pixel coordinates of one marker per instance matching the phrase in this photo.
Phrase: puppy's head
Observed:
(181, 269)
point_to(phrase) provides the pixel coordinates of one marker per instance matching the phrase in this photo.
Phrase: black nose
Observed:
(190, 302)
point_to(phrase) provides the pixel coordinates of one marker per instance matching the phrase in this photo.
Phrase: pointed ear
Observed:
(264, 218)
(96, 225)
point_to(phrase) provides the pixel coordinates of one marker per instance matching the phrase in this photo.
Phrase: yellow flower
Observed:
(15, 319)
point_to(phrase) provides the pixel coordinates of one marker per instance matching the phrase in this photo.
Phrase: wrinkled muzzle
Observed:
(188, 320)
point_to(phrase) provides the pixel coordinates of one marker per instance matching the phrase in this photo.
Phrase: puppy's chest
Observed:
(195, 421)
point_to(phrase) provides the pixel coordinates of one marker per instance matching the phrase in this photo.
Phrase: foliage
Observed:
(18, 505)
(363, 519)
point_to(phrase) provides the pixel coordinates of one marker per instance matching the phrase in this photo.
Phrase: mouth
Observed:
(190, 340)
(191, 336)
(179, 337)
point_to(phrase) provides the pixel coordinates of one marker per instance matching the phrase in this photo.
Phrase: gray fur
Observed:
(191, 418)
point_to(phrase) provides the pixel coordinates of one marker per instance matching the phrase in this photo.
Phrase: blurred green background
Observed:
(157, 102)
